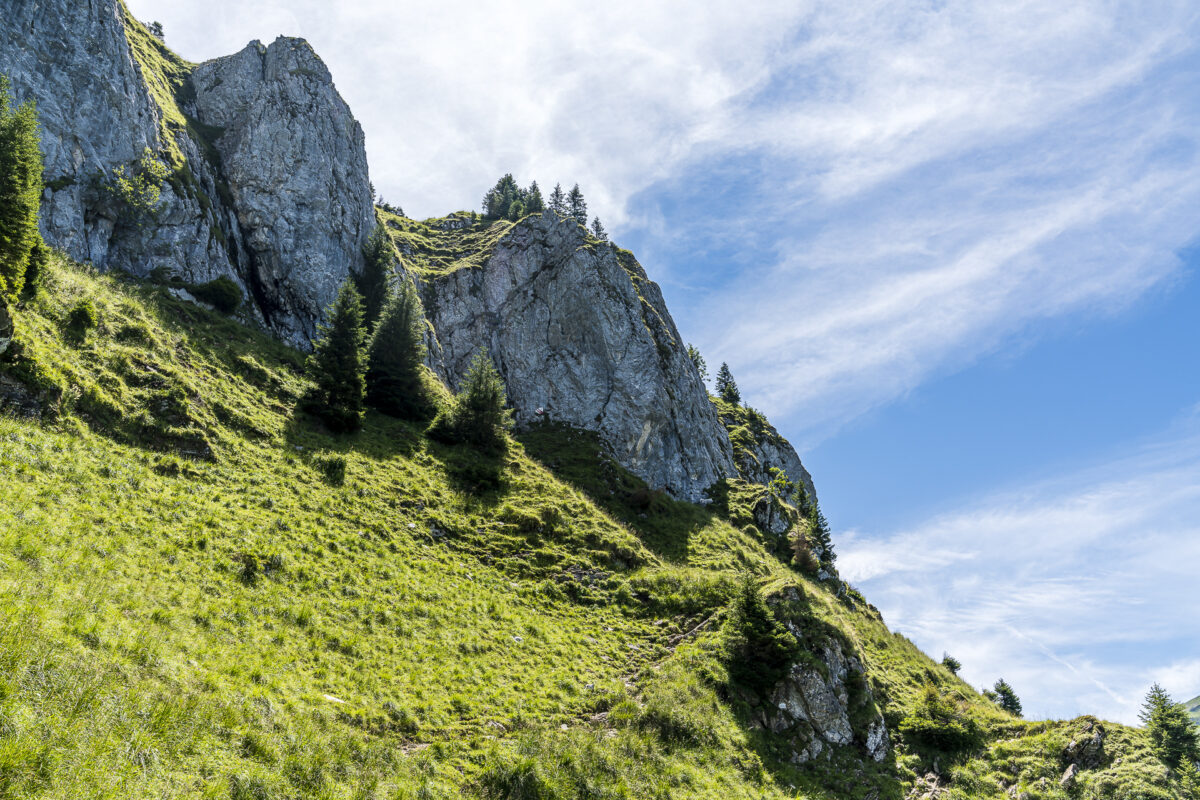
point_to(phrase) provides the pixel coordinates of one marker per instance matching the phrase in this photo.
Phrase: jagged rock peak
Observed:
(295, 160)
(578, 331)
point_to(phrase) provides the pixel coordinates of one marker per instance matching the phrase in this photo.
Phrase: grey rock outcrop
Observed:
(295, 161)
(762, 448)
(813, 705)
(94, 109)
(282, 209)
(579, 331)
(1086, 750)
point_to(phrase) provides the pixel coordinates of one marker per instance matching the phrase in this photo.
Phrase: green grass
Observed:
(430, 250)
(204, 594)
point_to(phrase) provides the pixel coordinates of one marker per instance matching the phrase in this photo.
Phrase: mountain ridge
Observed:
(208, 594)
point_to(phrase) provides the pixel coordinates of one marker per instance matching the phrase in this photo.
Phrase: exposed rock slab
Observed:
(578, 330)
(295, 161)
(284, 209)
(812, 706)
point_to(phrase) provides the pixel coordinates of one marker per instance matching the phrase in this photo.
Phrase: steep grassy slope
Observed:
(204, 594)
(1193, 707)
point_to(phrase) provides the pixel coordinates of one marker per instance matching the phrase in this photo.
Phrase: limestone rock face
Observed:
(295, 161)
(284, 209)
(812, 706)
(772, 450)
(579, 331)
(94, 109)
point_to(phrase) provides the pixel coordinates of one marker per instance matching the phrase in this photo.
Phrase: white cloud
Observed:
(1078, 591)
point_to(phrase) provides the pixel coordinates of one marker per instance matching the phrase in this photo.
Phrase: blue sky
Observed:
(949, 247)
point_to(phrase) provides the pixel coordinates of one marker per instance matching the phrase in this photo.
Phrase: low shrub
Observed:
(83, 318)
(222, 294)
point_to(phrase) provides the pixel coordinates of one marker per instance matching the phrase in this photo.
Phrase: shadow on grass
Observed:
(664, 525)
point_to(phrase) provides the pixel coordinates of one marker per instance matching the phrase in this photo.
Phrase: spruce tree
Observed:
(759, 649)
(1006, 698)
(498, 201)
(698, 360)
(394, 357)
(372, 283)
(1173, 736)
(577, 206)
(598, 230)
(478, 415)
(819, 534)
(20, 190)
(534, 203)
(338, 364)
(727, 388)
(558, 200)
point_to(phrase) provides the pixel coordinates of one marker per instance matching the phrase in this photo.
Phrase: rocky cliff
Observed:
(580, 333)
(267, 172)
(267, 184)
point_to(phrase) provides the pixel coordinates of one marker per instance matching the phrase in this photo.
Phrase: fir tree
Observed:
(498, 201)
(1006, 698)
(478, 414)
(1173, 736)
(395, 355)
(727, 388)
(338, 364)
(558, 200)
(20, 190)
(372, 283)
(534, 204)
(516, 211)
(698, 360)
(598, 230)
(819, 534)
(759, 649)
(577, 206)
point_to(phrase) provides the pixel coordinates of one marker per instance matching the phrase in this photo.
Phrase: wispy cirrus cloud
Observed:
(1078, 591)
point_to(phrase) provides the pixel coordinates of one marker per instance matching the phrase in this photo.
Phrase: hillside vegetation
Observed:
(205, 594)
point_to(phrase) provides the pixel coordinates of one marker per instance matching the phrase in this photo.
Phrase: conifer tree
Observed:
(497, 203)
(558, 200)
(758, 648)
(951, 663)
(698, 360)
(1173, 736)
(577, 206)
(478, 415)
(727, 388)
(394, 357)
(819, 533)
(338, 364)
(598, 230)
(534, 203)
(1006, 698)
(373, 282)
(20, 190)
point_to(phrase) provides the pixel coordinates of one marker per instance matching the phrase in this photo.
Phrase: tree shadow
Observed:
(578, 457)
